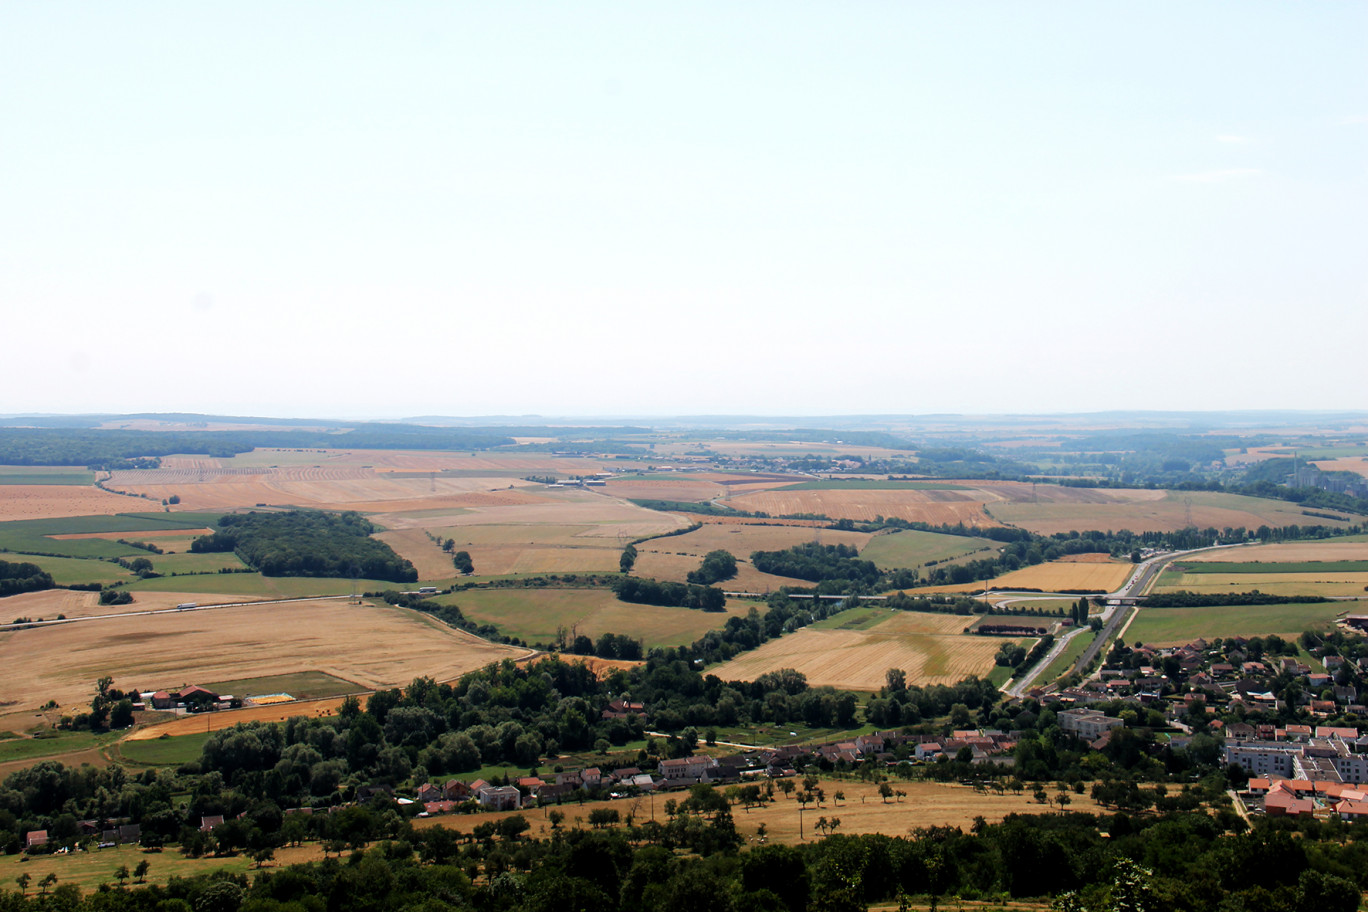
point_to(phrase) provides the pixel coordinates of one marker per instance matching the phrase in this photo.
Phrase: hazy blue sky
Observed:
(366, 209)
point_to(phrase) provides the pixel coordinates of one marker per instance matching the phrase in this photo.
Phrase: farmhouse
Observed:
(686, 767)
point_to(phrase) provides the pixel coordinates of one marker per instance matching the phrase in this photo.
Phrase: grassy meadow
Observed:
(1176, 626)
(535, 615)
(915, 549)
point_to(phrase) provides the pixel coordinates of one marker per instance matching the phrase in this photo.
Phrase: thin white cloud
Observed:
(1214, 177)
(1232, 138)
(1353, 120)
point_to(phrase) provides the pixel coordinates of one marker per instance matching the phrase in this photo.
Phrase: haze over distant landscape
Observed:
(354, 210)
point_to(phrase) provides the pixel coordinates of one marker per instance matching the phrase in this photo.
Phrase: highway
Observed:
(1113, 616)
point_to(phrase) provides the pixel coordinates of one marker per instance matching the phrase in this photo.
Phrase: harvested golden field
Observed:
(1158, 511)
(1326, 583)
(925, 804)
(535, 615)
(1355, 464)
(493, 464)
(374, 646)
(1287, 552)
(1258, 454)
(944, 507)
(685, 488)
(859, 659)
(426, 555)
(973, 503)
(49, 603)
(670, 566)
(674, 557)
(51, 501)
(570, 531)
(278, 712)
(774, 448)
(324, 485)
(1052, 576)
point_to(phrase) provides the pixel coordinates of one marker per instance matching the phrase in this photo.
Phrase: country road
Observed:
(1113, 616)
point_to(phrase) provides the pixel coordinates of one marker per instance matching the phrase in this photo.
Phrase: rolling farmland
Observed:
(374, 646)
(1098, 573)
(21, 501)
(931, 648)
(1160, 511)
(535, 614)
(673, 557)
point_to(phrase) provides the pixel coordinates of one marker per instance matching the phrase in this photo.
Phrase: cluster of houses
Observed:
(1222, 675)
(682, 772)
(1309, 797)
(1297, 770)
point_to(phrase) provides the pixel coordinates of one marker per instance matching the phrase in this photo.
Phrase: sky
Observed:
(341, 209)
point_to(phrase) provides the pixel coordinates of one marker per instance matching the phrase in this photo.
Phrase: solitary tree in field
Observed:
(48, 882)
(885, 791)
(140, 872)
(121, 874)
(23, 881)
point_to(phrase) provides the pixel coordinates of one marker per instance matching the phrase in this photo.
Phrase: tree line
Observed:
(307, 543)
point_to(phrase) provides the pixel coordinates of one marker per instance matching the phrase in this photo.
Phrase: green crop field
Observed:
(67, 571)
(1343, 566)
(189, 562)
(164, 751)
(45, 475)
(535, 614)
(60, 742)
(31, 535)
(915, 549)
(302, 685)
(1162, 626)
(872, 484)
